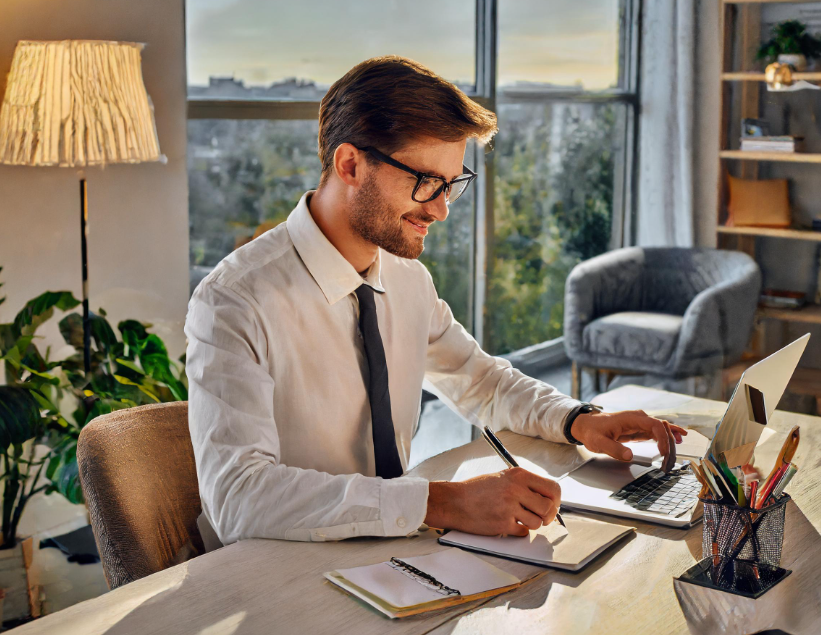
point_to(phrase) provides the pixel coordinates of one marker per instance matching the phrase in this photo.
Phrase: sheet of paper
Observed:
(452, 567)
(550, 544)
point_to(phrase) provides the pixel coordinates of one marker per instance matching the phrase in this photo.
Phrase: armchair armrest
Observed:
(718, 323)
(602, 285)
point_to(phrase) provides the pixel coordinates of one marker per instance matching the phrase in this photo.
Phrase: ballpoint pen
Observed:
(507, 457)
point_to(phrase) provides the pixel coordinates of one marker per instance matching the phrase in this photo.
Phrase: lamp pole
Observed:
(84, 243)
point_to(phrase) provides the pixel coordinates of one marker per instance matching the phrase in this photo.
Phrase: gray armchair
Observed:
(671, 312)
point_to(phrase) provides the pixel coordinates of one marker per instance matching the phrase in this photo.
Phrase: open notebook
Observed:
(550, 545)
(407, 586)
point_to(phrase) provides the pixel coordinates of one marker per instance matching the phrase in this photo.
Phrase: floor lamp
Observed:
(77, 103)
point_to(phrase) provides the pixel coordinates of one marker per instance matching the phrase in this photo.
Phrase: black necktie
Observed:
(385, 453)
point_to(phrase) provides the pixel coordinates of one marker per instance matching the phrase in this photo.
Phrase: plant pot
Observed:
(797, 61)
(14, 580)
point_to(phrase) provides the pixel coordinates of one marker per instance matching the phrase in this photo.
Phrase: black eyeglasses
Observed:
(428, 187)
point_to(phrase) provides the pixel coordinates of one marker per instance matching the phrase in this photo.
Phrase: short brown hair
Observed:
(389, 101)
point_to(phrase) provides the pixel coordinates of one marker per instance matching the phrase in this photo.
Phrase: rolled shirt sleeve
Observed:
(246, 491)
(487, 390)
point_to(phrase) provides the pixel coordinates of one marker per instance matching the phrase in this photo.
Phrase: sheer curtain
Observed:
(665, 214)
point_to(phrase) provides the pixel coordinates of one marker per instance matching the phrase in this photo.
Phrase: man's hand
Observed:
(494, 504)
(605, 432)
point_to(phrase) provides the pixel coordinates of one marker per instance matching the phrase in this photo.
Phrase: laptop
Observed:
(644, 492)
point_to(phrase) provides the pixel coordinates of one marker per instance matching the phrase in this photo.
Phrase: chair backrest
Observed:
(673, 276)
(140, 482)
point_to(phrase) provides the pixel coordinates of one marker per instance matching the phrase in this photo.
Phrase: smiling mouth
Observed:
(422, 229)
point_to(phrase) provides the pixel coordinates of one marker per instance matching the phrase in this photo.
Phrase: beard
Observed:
(374, 220)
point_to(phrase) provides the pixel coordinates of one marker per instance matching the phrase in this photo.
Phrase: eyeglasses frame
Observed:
(420, 176)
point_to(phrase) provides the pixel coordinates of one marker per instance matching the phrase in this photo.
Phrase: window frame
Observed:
(485, 94)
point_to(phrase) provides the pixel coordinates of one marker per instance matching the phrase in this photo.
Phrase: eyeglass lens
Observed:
(430, 188)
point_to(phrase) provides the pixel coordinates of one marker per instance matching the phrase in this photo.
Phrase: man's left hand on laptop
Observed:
(604, 432)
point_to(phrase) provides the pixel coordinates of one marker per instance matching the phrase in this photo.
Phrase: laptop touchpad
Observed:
(606, 474)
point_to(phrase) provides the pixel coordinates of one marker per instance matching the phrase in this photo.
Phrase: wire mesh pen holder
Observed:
(741, 547)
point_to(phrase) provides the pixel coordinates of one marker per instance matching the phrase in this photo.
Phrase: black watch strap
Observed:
(582, 409)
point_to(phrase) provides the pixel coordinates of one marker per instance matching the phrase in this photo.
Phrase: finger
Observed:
(543, 486)
(515, 529)
(538, 504)
(667, 447)
(601, 443)
(679, 429)
(528, 518)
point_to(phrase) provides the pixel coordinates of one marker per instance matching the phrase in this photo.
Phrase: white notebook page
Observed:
(452, 567)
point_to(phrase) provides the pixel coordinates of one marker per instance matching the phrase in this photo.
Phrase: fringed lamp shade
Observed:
(77, 103)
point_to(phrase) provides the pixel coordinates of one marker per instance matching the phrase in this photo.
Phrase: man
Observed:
(308, 347)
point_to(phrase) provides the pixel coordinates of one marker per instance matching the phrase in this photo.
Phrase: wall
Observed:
(138, 214)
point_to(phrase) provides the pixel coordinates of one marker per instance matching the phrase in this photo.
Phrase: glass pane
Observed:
(448, 252)
(277, 49)
(555, 176)
(245, 176)
(549, 44)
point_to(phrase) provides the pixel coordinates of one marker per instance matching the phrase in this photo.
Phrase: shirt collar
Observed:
(333, 273)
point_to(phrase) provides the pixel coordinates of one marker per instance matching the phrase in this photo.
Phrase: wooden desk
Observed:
(270, 586)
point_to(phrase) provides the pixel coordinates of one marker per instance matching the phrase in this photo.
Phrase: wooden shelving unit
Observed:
(741, 36)
(791, 157)
(809, 314)
(794, 234)
(755, 76)
(741, 98)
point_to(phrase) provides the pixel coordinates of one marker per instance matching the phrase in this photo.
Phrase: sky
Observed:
(264, 41)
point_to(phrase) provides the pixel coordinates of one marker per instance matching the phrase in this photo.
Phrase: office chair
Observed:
(140, 482)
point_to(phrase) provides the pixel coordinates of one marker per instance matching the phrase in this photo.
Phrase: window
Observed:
(554, 190)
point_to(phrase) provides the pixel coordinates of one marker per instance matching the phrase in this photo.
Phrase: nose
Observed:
(438, 207)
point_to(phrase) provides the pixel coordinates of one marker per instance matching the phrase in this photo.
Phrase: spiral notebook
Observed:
(407, 586)
(550, 545)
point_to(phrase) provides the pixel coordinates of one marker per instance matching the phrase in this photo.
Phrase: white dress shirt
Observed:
(278, 408)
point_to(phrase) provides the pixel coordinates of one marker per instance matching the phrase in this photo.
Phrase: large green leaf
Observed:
(66, 480)
(71, 328)
(41, 308)
(19, 416)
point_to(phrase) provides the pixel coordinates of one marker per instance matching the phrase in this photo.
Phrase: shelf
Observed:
(768, 1)
(753, 76)
(795, 234)
(809, 314)
(791, 157)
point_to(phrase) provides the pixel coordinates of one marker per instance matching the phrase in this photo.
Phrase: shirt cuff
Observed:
(554, 417)
(403, 504)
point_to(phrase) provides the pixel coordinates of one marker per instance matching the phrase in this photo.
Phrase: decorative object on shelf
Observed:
(778, 75)
(779, 299)
(779, 78)
(77, 103)
(782, 143)
(754, 128)
(790, 44)
(762, 203)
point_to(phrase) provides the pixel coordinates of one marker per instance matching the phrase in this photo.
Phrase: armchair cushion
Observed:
(636, 340)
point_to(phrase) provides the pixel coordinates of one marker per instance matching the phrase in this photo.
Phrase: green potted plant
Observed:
(46, 403)
(790, 44)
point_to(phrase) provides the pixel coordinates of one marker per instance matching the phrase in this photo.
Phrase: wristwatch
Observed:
(582, 409)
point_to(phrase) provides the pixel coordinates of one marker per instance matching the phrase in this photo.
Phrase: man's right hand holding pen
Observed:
(514, 501)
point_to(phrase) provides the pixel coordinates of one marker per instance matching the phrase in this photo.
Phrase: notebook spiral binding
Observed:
(422, 577)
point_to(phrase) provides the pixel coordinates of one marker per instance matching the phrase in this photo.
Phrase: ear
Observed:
(350, 164)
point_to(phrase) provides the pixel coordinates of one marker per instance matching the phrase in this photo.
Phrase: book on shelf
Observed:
(782, 143)
(780, 299)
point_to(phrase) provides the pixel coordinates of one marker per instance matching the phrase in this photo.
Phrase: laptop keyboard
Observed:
(673, 493)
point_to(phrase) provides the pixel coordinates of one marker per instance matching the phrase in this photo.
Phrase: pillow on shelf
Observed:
(762, 203)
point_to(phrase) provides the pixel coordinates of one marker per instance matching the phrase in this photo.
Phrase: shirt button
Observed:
(401, 522)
